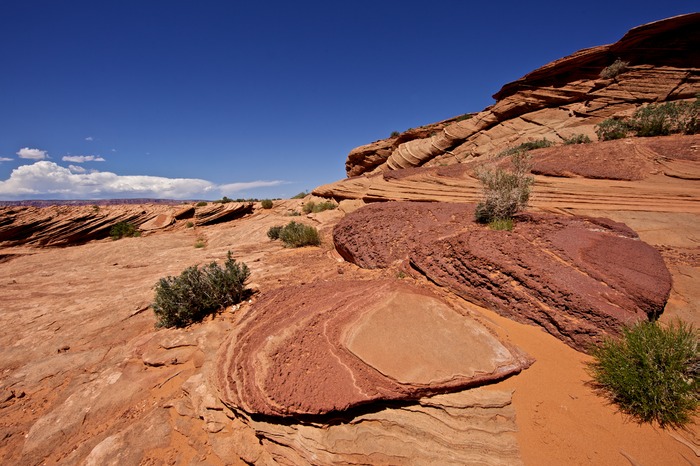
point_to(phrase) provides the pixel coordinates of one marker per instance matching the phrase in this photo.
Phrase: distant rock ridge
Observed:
(561, 99)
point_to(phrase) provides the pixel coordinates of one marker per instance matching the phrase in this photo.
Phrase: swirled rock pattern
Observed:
(579, 278)
(556, 101)
(330, 346)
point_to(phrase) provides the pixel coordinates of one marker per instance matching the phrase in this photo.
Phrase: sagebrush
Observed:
(196, 293)
(651, 372)
(506, 192)
(266, 204)
(313, 207)
(295, 235)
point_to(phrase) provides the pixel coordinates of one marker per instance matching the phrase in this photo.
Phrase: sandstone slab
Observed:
(330, 346)
(580, 278)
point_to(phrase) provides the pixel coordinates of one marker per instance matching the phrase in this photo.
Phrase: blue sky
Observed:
(197, 100)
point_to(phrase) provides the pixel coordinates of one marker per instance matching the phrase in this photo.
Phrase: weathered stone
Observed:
(330, 346)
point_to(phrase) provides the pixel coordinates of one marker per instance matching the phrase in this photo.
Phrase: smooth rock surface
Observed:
(331, 346)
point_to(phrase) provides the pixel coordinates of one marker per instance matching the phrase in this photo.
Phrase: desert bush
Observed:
(466, 116)
(274, 232)
(394, 134)
(667, 118)
(200, 243)
(617, 67)
(300, 195)
(577, 139)
(612, 128)
(189, 224)
(505, 192)
(295, 235)
(123, 230)
(526, 146)
(501, 224)
(312, 207)
(196, 293)
(266, 204)
(651, 372)
(201, 203)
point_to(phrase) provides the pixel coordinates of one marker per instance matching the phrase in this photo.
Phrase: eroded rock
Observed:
(330, 346)
(579, 278)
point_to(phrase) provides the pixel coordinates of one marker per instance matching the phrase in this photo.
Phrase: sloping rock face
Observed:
(331, 346)
(563, 98)
(69, 225)
(652, 174)
(579, 278)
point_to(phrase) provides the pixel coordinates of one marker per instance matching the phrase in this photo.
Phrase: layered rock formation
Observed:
(556, 101)
(331, 346)
(64, 225)
(579, 278)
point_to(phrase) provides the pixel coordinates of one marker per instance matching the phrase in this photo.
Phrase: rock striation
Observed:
(561, 99)
(331, 346)
(69, 225)
(579, 278)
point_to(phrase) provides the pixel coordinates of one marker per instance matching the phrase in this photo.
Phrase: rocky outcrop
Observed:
(654, 174)
(558, 100)
(328, 347)
(579, 278)
(69, 225)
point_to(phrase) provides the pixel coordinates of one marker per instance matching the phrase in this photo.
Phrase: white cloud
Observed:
(89, 138)
(34, 154)
(82, 158)
(236, 187)
(5, 159)
(49, 180)
(77, 169)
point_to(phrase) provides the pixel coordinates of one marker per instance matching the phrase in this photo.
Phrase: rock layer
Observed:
(331, 346)
(579, 278)
(556, 101)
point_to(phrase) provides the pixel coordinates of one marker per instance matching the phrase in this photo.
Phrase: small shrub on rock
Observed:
(274, 232)
(123, 230)
(394, 134)
(295, 235)
(612, 128)
(300, 195)
(613, 70)
(651, 372)
(201, 203)
(196, 293)
(312, 207)
(266, 204)
(577, 139)
(667, 118)
(505, 192)
(526, 146)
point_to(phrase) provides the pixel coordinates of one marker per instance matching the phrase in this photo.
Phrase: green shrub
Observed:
(577, 139)
(394, 134)
(196, 293)
(274, 232)
(505, 192)
(612, 128)
(667, 118)
(200, 243)
(300, 195)
(189, 224)
(501, 224)
(613, 70)
(312, 207)
(526, 146)
(122, 230)
(652, 372)
(295, 235)
(266, 204)
(466, 116)
(201, 203)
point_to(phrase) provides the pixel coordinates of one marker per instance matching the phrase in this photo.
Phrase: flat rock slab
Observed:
(580, 278)
(330, 346)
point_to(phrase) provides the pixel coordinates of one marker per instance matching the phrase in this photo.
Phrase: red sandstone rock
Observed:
(579, 278)
(331, 346)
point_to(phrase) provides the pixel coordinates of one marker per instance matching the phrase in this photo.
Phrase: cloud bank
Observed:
(48, 180)
(82, 158)
(33, 154)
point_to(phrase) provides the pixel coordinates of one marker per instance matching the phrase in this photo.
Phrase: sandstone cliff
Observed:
(556, 101)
